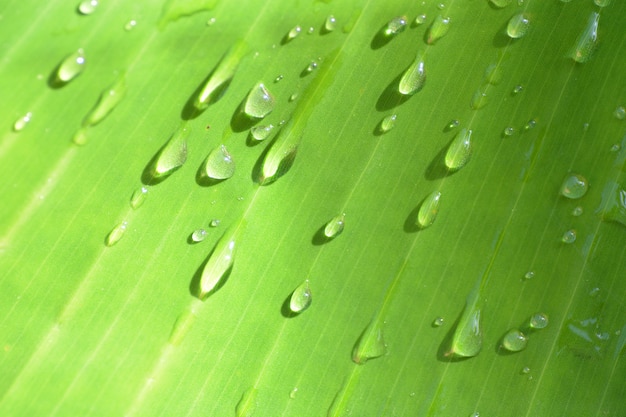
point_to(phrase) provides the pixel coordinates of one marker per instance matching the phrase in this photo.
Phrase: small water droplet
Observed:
(219, 164)
(438, 29)
(211, 21)
(293, 393)
(613, 205)
(500, 3)
(578, 210)
(538, 321)
(594, 292)
(335, 226)
(525, 370)
(620, 113)
(428, 210)
(574, 186)
(116, 234)
(109, 99)
(517, 89)
(459, 151)
(310, 31)
(395, 26)
(330, 24)
(370, 344)
(215, 223)
(388, 123)
(420, 19)
(173, 155)
(414, 77)
(80, 137)
(529, 275)
(530, 124)
(508, 131)
(22, 122)
(130, 25)
(602, 3)
(260, 133)
(514, 341)
(493, 74)
(71, 67)
(453, 124)
(247, 404)
(569, 236)
(300, 298)
(518, 26)
(615, 147)
(87, 7)
(278, 78)
(310, 68)
(293, 33)
(139, 197)
(479, 99)
(198, 235)
(586, 42)
(259, 102)
(293, 97)
(438, 322)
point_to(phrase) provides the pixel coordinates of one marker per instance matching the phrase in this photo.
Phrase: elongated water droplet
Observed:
(414, 77)
(574, 186)
(370, 344)
(198, 235)
(428, 210)
(335, 226)
(493, 74)
(260, 133)
(586, 42)
(139, 197)
(500, 3)
(173, 155)
(219, 164)
(514, 341)
(281, 154)
(80, 137)
(438, 29)
(71, 67)
(467, 339)
(259, 103)
(293, 393)
(311, 67)
(518, 26)
(300, 298)
(22, 122)
(530, 124)
(395, 26)
(420, 19)
(330, 24)
(116, 234)
(279, 78)
(109, 98)
(248, 403)
(613, 206)
(215, 223)
(220, 261)
(459, 151)
(569, 236)
(87, 7)
(293, 33)
(620, 113)
(538, 321)
(181, 327)
(388, 123)
(479, 99)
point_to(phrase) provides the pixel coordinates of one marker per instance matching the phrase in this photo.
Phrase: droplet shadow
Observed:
(501, 39)
(319, 237)
(285, 308)
(437, 168)
(444, 353)
(53, 79)
(391, 97)
(240, 121)
(410, 223)
(381, 39)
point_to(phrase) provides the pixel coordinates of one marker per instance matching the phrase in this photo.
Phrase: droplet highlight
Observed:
(514, 341)
(370, 344)
(71, 67)
(300, 298)
(335, 226)
(219, 164)
(116, 234)
(517, 26)
(414, 77)
(459, 151)
(259, 102)
(574, 186)
(587, 40)
(438, 29)
(428, 210)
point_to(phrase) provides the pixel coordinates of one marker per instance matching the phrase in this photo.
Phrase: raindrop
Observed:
(211, 21)
(370, 344)
(293, 97)
(293, 393)
(293, 33)
(438, 29)
(508, 131)
(311, 67)
(173, 155)
(215, 223)
(602, 3)
(388, 123)
(311, 30)
(493, 74)
(87, 7)
(530, 124)
(420, 19)
(620, 113)
(130, 25)
(438, 322)
(538, 321)
(300, 298)
(574, 186)
(517, 89)
(441, 6)
(219, 164)
(139, 197)
(514, 341)
(80, 137)
(109, 98)
(395, 26)
(281, 154)
(71, 67)
(247, 404)
(529, 275)
(586, 42)
(525, 370)
(330, 24)
(467, 339)
(414, 77)
(460, 150)
(453, 124)
(479, 99)
(500, 3)
(335, 226)
(278, 78)
(259, 102)
(578, 210)
(518, 26)
(116, 234)
(198, 235)
(615, 147)
(428, 210)
(585, 127)
(260, 133)
(22, 122)
(569, 236)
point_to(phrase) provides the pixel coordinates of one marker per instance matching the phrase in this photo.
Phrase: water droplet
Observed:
(215, 223)
(460, 150)
(260, 133)
(388, 123)
(493, 74)
(500, 3)
(602, 3)
(395, 26)
(116, 234)
(22, 122)
(80, 137)
(538, 321)
(293, 33)
(517, 89)
(514, 341)
(220, 261)
(467, 339)
(300, 298)
(87, 7)
(620, 113)
(529, 275)
(139, 197)
(293, 393)
(173, 155)
(613, 205)
(420, 19)
(198, 235)
(569, 236)
(311, 30)
(414, 77)
(453, 124)
(247, 404)
(428, 210)
(335, 226)
(585, 127)
(586, 42)
(574, 186)
(525, 370)
(109, 98)
(518, 26)
(211, 21)
(530, 124)
(438, 322)
(370, 344)
(293, 97)
(130, 25)
(281, 154)
(475, 414)
(578, 210)
(219, 164)
(330, 24)
(278, 78)
(438, 29)
(71, 67)
(259, 102)
(615, 147)
(479, 99)
(508, 131)
(311, 67)
(181, 327)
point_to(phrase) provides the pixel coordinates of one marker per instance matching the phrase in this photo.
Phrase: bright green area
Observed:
(92, 330)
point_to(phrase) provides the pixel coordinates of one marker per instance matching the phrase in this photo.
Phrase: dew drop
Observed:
(311, 67)
(479, 99)
(569, 236)
(420, 19)
(514, 341)
(453, 124)
(388, 123)
(459, 151)
(80, 137)
(493, 74)
(335, 226)
(71, 67)
(247, 404)
(211, 21)
(620, 113)
(517, 89)
(530, 124)
(181, 327)
(259, 102)
(574, 186)
(278, 78)
(219, 164)
(22, 122)
(130, 25)
(438, 29)
(330, 24)
(602, 3)
(508, 131)
(578, 210)
(586, 42)
(467, 338)
(293, 97)
(116, 234)
(139, 197)
(300, 298)
(109, 99)
(613, 205)
(518, 26)
(500, 3)
(370, 344)
(260, 133)
(293, 33)
(438, 322)
(293, 393)
(311, 30)
(173, 155)
(414, 77)
(428, 210)
(395, 26)
(538, 321)
(87, 7)
(529, 275)
(525, 370)
(215, 223)
(198, 235)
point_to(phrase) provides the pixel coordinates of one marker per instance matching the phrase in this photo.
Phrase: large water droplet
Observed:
(569, 236)
(247, 404)
(300, 298)
(139, 197)
(281, 154)
(518, 26)
(330, 24)
(479, 99)
(370, 344)
(109, 98)
(460, 150)
(574, 186)
(71, 67)
(586, 42)
(500, 3)
(87, 7)
(259, 103)
(428, 210)
(335, 226)
(538, 321)
(260, 133)
(219, 164)
(22, 122)
(388, 123)
(514, 341)
(613, 206)
(395, 26)
(116, 234)
(414, 77)
(467, 339)
(173, 155)
(438, 29)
